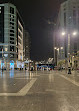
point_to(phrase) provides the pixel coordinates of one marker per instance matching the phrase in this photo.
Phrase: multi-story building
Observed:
(11, 35)
(27, 45)
(68, 23)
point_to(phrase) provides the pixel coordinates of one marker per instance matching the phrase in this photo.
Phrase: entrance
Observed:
(11, 64)
(2, 64)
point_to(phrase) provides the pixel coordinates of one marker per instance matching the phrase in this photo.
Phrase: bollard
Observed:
(69, 70)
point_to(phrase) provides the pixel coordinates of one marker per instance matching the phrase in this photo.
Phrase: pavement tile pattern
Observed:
(39, 91)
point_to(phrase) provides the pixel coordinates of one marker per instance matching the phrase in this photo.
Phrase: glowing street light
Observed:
(74, 33)
(55, 48)
(63, 33)
(61, 48)
(56, 52)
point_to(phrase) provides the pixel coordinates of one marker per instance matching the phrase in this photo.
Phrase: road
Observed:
(39, 91)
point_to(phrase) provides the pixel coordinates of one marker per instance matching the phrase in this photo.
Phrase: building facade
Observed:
(66, 36)
(11, 36)
(27, 45)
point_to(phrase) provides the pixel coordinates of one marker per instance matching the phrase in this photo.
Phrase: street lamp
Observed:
(61, 48)
(55, 55)
(55, 48)
(61, 52)
(56, 52)
(74, 33)
(63, 33)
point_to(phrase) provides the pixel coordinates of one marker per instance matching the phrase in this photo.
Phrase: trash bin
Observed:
(69, 70)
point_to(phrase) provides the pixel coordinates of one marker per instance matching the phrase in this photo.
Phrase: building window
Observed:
(11, 42)
(6, 49)
(11, 38)
(11, 48)
(64, 19)
(75, 46)
(1, 47)
(12, 31)
(12, 16)
(11, 23)
(11, 55)
(11, 10)
(11, 19)
(74, 17)
(11, 27)
(11, 34)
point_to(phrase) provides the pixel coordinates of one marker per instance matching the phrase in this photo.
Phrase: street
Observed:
(39, 91)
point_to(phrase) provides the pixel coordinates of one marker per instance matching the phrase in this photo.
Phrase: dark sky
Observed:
(34, 14)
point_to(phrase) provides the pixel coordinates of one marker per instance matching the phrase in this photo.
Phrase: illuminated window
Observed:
(11, 48)
(5, 49)
(12, 16)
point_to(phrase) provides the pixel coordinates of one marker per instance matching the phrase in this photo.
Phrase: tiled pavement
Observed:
(39, 91)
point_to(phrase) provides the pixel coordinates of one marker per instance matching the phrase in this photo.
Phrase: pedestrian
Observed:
(2, 68)
(25, 68)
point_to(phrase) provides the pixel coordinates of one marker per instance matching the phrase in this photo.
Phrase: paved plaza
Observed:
(39, 91)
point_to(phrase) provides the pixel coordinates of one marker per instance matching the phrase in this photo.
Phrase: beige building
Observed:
(66, 35)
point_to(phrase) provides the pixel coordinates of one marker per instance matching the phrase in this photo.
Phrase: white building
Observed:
(11, 35)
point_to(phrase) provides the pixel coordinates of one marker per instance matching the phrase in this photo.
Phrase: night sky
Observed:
(35, 14)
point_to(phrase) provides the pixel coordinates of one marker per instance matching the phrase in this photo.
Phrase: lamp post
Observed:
(61, 52)
(55, 48)
(56, 53)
